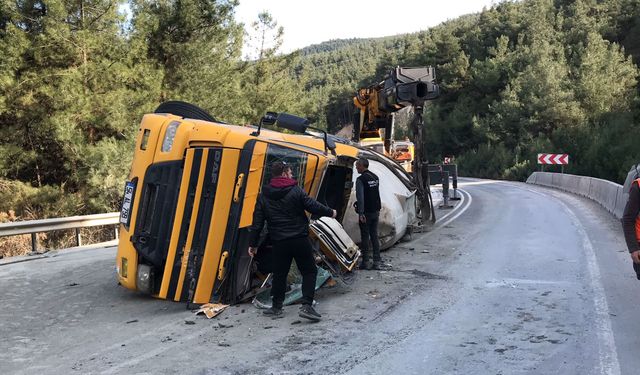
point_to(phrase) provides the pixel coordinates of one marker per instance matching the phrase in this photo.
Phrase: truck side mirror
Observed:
(268, 119)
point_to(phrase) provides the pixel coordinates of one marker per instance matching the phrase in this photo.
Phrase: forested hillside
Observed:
(517, 79)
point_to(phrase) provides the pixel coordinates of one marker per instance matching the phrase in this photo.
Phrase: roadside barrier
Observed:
(32, 227)
(608, 194)
(439, 174)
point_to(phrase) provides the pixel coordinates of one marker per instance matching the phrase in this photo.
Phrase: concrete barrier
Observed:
(606, 193)
(623, 196)
(584, 186)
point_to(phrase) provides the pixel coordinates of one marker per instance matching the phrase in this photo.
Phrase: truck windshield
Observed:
(297, 160)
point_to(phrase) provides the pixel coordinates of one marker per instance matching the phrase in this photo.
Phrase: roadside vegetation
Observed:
(517, 79)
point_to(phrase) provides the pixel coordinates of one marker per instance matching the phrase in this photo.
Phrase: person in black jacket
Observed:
(368, 207)
(282, 204)
(631, 225)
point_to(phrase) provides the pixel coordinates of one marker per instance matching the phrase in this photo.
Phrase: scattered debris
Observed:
(502, 350)
(212, 309)
(167, 338)
(296, 322)
(223, 343)
(133, 321)
(268, 327)
(374, 293)
(189, 322)
(220, 325)
(427, 275)
(331, 283)
(425, 251)
(73, 284)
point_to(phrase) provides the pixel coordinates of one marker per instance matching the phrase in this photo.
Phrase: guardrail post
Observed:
(34, 242)
(454, 178)
(116, 231)
(445, 190)
(78, 239)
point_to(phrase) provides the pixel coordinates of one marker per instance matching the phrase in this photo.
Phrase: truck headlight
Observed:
(170, 135)
(143, 279)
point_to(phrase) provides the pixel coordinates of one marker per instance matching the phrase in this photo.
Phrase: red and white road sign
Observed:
(553, 159)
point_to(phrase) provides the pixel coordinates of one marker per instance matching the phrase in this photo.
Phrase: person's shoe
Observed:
(273, 311)
(376, 266)
(308, 312)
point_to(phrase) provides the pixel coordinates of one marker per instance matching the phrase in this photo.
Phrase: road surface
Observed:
(516, 279)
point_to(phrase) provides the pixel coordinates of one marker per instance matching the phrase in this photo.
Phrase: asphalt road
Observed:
(516, 279)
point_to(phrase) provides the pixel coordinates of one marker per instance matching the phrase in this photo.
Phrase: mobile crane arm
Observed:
(401, 88)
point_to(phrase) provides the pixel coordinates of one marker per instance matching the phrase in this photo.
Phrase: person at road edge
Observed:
(368, 208)
(631, 225)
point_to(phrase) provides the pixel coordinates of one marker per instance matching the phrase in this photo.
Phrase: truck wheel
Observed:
(185, 110)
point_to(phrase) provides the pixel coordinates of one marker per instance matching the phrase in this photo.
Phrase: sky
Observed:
(311, 22)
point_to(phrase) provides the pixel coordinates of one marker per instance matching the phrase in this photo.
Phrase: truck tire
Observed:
(185, 110)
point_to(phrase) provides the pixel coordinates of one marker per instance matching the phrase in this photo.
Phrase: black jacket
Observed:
(629, 217)
(284, 211)
(368, 193)
(631, 211)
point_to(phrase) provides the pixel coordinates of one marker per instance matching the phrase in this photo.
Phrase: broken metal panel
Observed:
(335, 243)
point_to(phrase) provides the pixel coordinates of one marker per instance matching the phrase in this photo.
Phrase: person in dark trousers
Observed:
(631, 225)
(368, 208)
(282, 204)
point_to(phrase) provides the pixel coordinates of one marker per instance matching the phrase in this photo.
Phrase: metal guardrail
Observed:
(33, 227)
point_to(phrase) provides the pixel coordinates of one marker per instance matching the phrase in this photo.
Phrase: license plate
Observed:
(125, 212)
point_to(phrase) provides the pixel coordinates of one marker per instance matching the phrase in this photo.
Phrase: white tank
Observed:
(398, 207)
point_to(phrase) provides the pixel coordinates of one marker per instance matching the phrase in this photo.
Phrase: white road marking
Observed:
(455, 209)
(609, 363)
(474, 182)
(457, 212)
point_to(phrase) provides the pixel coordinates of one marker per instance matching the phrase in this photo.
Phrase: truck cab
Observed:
(190, 196)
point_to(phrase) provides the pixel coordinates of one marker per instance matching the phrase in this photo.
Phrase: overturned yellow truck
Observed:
(191, 192)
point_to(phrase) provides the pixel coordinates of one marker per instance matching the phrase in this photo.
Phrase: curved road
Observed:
(516, 279)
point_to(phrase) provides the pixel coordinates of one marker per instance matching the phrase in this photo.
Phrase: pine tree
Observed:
(194, 49)
(269, 85)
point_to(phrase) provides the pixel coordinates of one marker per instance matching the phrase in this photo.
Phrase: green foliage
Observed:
(518, 79)
(106, 166)
(76, 78)
(268, 83)
(488, 161)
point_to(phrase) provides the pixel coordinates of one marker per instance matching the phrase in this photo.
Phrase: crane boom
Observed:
(402, 87)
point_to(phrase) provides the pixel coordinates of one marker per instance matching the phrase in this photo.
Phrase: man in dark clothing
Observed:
(368, 208)
(631, 225)
(282, 204)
